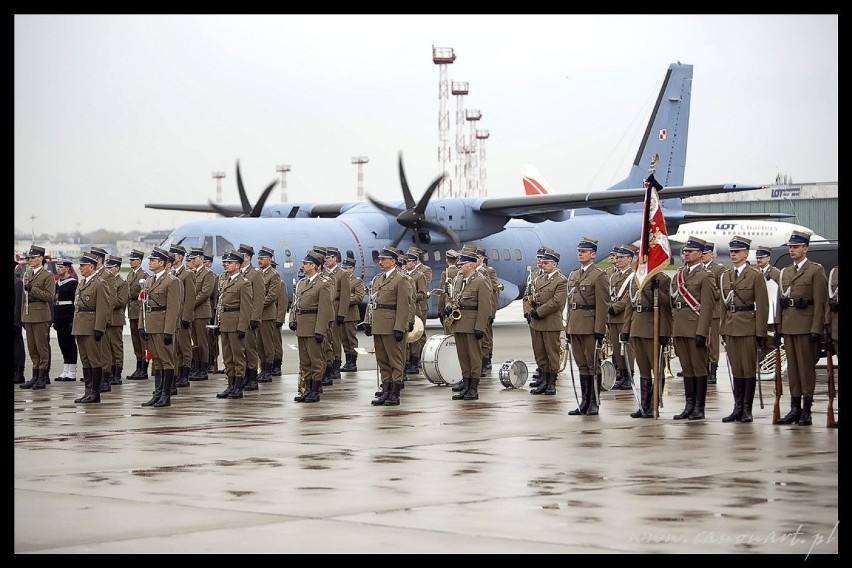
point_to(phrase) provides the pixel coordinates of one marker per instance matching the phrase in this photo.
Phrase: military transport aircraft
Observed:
(510, 228)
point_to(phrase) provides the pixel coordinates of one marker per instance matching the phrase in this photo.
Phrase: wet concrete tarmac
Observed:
(509, 473)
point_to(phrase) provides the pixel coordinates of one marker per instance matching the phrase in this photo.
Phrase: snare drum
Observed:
(608, 375)
(440, 362)
(513, 374)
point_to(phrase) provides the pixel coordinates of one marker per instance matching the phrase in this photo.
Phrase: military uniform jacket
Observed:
(639, 312)
(340, 290)
(235, 303)
(587, 288)
(187, 307)
(832, 314)
(392, 297)
(420, 291)
(699, 283)
(491, 275)
(119, 304)
(271, 286)
(314, 308)
(40, 296)
(450, 273)
(809, 286)
(66, 290)
(619, 282)
(283, 304)
(165, 291)
(716, 270)
(92, 307)
(475, 301)
(357, 291)
(738, 293)
(422, 297)
(257, 290)
(771, 273)
(205, 285)
(551, 292)
(134, 304)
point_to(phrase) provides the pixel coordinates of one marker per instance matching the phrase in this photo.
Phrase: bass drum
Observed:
(513, 374)
(440, 362)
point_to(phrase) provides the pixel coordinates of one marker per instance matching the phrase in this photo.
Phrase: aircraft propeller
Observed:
(413, 216)
(248, 210)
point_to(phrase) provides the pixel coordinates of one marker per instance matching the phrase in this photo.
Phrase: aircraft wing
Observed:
(237, 210)
(608, 200)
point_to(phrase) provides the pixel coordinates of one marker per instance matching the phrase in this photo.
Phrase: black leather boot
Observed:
(87, 381)
(805, 416)
(347, 366)
(689, 392)
(180, 378)
(29, 384)
(115, 379)
(228, 390)
(700, 397)
(305, 392)
(193, 369)
(144, 374)
(335, 370)
(314, 393)
(473, 392)
(711, 373)
(383, 394)
(249, 382)
(486, 367)
(200, 374)
(393, 397)
(326, 377)
(646, 387)
(158, 389)
(594, 393)
(239, 385)
(19, 375)
(265, 375)
(415, 365)
(105, 378)
(166, 396)
(463, 387)
(42, 379)
(792, 417)
(550, 387)
(748, 398)
(739, 391)
(95, 393)
(585, 390)
(276, 368)
(136, 372)
(619, 382)
(542, 384)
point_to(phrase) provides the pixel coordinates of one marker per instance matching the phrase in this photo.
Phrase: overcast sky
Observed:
(112, 112)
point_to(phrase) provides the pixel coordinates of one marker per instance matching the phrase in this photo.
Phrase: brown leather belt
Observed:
(385, 306)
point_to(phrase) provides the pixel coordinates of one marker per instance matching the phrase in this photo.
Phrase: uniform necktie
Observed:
(795, 268)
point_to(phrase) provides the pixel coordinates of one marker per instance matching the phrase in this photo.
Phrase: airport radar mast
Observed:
(283, 169)
(482, 136)
(459, 89)
(471, 170)
(218, 177)
(443, 56)
(360, 161)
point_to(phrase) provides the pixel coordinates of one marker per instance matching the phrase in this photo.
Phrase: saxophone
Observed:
(143, 295)
(455, 314)
(368, 313)
(218, 304)
(529, 289)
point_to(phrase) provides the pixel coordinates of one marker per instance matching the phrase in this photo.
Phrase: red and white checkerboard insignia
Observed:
(663, 133)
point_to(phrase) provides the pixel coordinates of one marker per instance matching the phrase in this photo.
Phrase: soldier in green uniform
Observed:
(37, 315)
(547, 307)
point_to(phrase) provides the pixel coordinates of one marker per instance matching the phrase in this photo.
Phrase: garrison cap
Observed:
(551, 254)
(739, 243)
(99, 252)
(88, 259)
(195, 251)
(389, 252)
(763, 250)
(266, 251)
(587, 243)
(35, 250)
(452, 253)
(113, 260)
(62, 261)
(177, 249)
(246, 249)
(160, 254)
(799, 238)
(136, 254)
(694, 243)
(709, 246)
(232, 256)
(314, 257)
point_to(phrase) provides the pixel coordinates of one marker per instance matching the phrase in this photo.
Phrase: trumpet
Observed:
(668, 355)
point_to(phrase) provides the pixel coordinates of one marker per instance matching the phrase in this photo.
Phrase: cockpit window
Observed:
(223, 244)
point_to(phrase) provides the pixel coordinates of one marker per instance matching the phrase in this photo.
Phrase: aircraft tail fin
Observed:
(534, 182)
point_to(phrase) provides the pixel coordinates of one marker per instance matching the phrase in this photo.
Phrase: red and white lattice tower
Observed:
(443, 56)
(472, 170)
(481, 137)
(459, 89)
(360, 161)
(218, 177)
